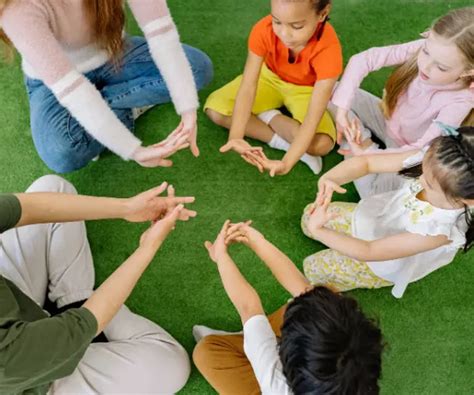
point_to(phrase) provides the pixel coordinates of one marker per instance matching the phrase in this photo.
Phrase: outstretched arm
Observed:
(391, 247)
(46, 207)
(279, 264)
(242, 295)
(112, 294)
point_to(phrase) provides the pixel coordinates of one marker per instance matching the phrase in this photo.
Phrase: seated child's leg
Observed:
(330, 268)
(223, 363)
(219, 107)
(342, 223)
(325, 133)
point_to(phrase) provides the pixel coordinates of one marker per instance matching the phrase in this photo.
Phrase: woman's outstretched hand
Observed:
(156, 155)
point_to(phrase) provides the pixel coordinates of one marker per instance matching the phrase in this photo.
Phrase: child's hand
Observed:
(172, 201)
(242, 232)
(326, 188)
(342, 122)
(274, 167)
(154, 236)
(238, 145)
(218, 249)
(320, 216)
(353, 134)
(149, 206)
(155, 155)
(189, 121)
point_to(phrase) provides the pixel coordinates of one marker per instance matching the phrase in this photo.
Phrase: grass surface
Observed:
(429, 332)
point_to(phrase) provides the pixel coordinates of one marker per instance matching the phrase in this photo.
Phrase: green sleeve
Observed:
(10, 211)
(48, 349)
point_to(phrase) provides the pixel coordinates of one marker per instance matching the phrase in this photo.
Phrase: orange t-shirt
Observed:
(320, 59)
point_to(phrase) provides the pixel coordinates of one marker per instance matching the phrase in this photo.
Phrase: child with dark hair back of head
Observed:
(328, 345)
(320, 343)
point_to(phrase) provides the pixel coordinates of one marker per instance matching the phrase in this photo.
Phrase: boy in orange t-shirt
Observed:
(294, 61)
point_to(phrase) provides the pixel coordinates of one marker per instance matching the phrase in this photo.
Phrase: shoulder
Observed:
(23, 12)
(263, 26)
(329, 35)
(261, 348)
(24, 7)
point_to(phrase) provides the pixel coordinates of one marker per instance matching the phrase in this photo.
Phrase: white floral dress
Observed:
(381, 216)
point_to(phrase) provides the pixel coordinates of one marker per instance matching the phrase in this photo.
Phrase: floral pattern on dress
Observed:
(331, 268)
(417, 208)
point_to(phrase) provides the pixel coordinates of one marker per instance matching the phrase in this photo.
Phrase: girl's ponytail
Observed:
(452, 161)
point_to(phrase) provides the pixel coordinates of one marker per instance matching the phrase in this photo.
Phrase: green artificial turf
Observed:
(429, 332)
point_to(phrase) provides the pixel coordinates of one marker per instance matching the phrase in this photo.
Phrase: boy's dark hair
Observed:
(452, 160)
(328, 346)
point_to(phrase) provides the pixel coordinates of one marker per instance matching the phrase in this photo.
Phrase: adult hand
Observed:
(320, 216)
(218, 249)
(156, 234)
(189, 122)
(149, 206)
(326, 188)
(172, 201)
(155, 155)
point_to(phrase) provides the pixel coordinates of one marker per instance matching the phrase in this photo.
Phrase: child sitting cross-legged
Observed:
(320, 342)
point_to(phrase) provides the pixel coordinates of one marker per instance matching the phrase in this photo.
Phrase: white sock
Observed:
(315, 163)
(200, 331)
(267, 116)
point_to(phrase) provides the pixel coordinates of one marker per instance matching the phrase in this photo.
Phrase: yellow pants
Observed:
(272, 92)
(331, 268)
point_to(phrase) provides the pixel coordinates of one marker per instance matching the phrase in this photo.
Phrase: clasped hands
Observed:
(184, 136)
(241, 232)
(256, 157)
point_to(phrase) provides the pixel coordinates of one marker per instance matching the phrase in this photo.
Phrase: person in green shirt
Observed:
(45, 255)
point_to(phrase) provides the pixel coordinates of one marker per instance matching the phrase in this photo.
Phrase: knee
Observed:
(218, 118)
(201, 65)
(305, 220)
(180, 367)
(313, 269)
(321, 145)
(52, 183)
(202, 355)
(168, 370)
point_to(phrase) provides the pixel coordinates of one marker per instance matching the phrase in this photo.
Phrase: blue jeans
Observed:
(63, 144)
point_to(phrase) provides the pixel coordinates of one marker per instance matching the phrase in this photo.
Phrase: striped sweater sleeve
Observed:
(27, 26)
(162, 36)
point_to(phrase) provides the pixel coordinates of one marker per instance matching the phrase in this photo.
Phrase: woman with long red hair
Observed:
(87, 81)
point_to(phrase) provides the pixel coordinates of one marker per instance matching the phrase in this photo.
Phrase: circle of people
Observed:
(410, 155)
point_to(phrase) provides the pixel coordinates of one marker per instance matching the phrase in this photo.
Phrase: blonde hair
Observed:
(107, 18)
(456, 26)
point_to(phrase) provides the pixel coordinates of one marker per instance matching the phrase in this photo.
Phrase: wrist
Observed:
(316, 231)
(136, 154)
(255, 241)
(223, 258)
(288, 163)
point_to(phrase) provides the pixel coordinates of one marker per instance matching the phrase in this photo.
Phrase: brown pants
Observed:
(222, 361)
